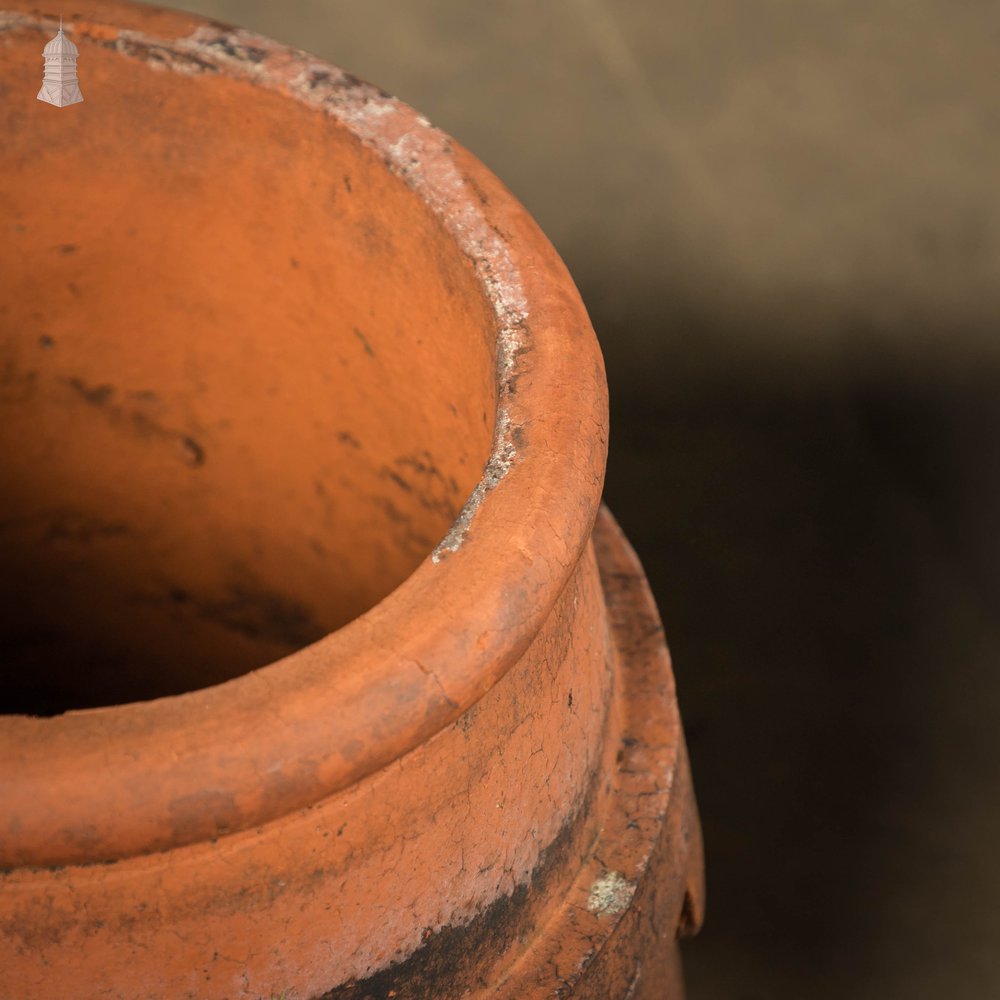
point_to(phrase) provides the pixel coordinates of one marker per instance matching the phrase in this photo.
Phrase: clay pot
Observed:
(320, 679)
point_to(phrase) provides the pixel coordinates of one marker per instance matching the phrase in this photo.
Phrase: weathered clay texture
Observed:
(319, 679)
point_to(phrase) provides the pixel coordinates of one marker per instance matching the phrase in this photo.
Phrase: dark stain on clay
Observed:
(187, 812)
(77, 526)
(67, 248)
(33, 936)
(255, 612)
(332, 82)
(449, 963)
(690, 919)
(433, 490)
(406, 534)
(190, 451)
(473, 184)
(245, 53)
(509, 387)
(414, 463)
(395, 477)
(317, 78)
(355, 83)
(95, 395)
(424, 466)
(348, 438)
(194, 454)
(364, 342)
(16, 385)
(392, 511)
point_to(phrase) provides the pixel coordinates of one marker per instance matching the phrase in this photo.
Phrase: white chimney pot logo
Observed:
(60, 85)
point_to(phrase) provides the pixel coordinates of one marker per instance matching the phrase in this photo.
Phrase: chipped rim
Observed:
(107, 783)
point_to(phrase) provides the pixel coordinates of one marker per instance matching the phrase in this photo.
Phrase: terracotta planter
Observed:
(320, 679)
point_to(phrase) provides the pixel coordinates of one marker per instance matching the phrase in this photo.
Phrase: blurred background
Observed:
(784, 218)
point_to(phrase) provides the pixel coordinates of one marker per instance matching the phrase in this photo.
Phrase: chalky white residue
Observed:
(610, 894)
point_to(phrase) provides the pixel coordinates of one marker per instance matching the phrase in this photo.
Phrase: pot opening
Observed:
(246, 384)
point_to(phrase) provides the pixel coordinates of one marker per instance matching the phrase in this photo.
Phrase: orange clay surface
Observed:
(315, 681)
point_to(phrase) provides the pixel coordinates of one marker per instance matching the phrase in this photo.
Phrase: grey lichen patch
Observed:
(500, 460)
(159, 56)
(10, 19)
(610, 894)
(229, 44)
(206, 50)
(209, 48)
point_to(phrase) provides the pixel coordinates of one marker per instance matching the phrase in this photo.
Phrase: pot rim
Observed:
(107, 783)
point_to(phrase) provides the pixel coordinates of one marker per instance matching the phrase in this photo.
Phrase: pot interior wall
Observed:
(246, 381)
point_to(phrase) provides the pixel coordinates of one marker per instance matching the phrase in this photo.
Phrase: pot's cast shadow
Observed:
(822, 542)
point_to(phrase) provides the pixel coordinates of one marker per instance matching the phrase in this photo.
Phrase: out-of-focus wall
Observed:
(804, 165)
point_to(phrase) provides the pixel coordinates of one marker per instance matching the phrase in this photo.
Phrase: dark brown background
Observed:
(783, 216)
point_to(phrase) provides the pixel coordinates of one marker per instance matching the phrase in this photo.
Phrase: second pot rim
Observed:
(108, 783)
